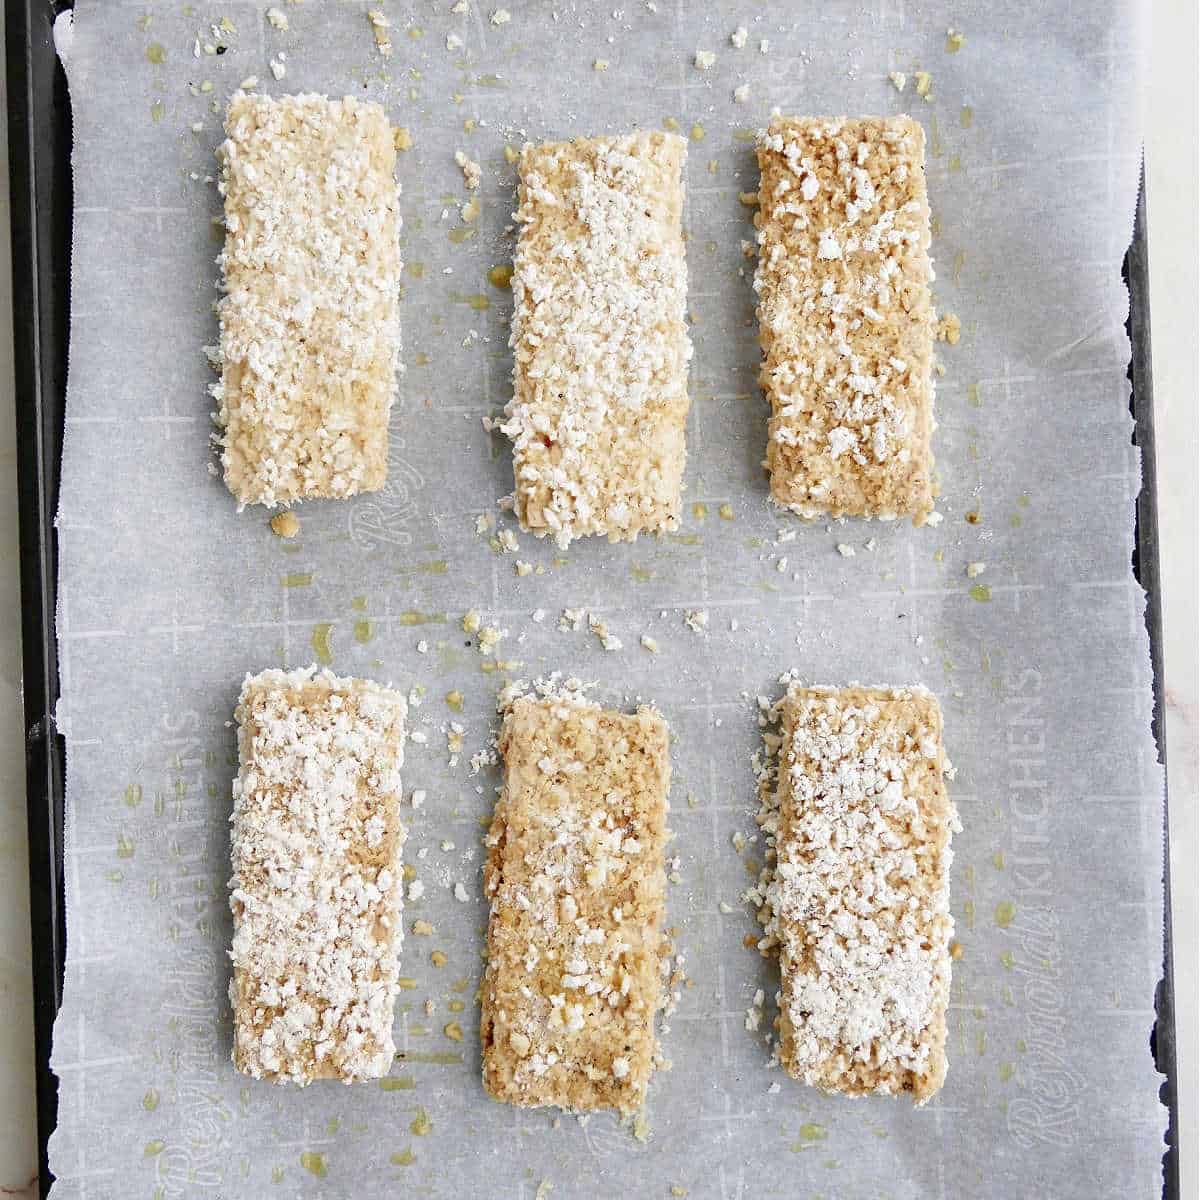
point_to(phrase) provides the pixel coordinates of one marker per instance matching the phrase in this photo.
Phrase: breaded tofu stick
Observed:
(310, 319)
(845, 316)
(576, 879)
(316, 876)
(861, 891)
(599, 342)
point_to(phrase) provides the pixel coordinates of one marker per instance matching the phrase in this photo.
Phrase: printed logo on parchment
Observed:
(197, 974)
(382, 518)
(1048, 1110)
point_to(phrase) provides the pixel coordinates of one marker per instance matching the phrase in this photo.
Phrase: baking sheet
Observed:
(168, 597)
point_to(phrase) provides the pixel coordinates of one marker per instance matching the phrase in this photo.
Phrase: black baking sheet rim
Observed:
(39, 136)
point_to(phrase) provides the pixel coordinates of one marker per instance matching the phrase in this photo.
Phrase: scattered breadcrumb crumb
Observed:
(508, 541)
(696, 619)
(741, 93)
(705, 59)
(753, 1019)
(601, 64)
(764, 46)
(472, 619)
(285, 524)
(954, 41)
(599, 627)
(975, 569)
(460, 893)
(472, 173)
(453, 42)
(277, 19)
(649, 643)
(845, 550)
(924, 82)
(379, 27)
(948, 329)
(899, 80)
(523, 568)
(402, 138)
(500, 17)
(489, 638)
(571, 620)
(738, 37)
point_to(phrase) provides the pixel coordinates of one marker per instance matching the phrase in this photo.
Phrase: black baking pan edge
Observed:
(39, 153)
(1136, 272)
(39, 139)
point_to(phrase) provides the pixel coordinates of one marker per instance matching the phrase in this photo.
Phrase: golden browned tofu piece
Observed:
(845, 316)
(576, 879)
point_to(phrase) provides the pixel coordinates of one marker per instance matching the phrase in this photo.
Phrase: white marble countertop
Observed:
(1172, 173)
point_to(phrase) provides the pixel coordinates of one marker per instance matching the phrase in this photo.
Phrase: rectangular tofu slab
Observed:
(861, 895)
(575, 874)
(600, 344)
(309, 315)
(316, 887)
(845, 316)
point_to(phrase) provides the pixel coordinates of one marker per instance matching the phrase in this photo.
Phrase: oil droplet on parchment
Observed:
(311, 1161)
(322, 642)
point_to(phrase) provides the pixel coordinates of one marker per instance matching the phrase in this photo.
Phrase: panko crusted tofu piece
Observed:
(845, 316)
(599, 341)
(861, 890)
(317, 878)
(309, 316)
(576, 879)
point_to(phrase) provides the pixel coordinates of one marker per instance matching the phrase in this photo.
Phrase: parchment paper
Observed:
(169, 597)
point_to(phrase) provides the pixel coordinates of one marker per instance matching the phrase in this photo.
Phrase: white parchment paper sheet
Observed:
(169, 597)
